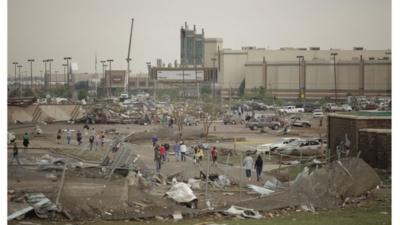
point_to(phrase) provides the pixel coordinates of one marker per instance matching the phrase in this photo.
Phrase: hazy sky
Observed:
(42, 29)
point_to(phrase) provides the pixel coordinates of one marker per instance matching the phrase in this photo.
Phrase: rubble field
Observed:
(117, 181)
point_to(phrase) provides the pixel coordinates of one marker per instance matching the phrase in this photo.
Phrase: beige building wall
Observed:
(347, 75)
(253, 76)
(285, 77)
(377, 77)
(290, 55)
(319, 77)
(232, 69)
(210, 50)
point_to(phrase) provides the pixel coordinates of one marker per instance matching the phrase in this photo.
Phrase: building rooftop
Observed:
(364, 115)
(378, 131)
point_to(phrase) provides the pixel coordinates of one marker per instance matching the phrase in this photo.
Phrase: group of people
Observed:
(25, 143)
(248, 166)
(180, 150)
(94, 138)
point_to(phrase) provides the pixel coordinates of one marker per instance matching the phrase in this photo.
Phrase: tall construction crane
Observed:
(125, 94)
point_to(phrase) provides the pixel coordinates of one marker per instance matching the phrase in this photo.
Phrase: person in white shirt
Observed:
(183, 151)
(248, 165)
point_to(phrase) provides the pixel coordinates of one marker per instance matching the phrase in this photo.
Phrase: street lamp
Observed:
(49, 61)
(68, 68)
(109, 81)
(334, 54)
(31, 61)
(15, 73)
(19, 75)
(300, 57)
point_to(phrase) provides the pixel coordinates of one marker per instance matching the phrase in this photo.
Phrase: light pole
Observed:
(46, 80)
(19, 75)
(334, 54)
(149, 73)
(65, 73)
(49, 61)
(213, 75)
(68, 68)
(103, 63)
(56, 75)
(31, 61)
(301, 94)
(15, 73)
(109, 81)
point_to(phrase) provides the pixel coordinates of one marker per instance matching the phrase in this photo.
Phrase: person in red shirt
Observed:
(163, 152)
(214, 155)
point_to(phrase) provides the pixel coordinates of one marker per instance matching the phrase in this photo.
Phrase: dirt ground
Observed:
(89, 194)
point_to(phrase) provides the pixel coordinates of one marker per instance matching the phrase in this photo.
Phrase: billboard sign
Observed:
(177, 75)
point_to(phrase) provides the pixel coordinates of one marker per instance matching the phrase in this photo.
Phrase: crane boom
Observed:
(128, 59)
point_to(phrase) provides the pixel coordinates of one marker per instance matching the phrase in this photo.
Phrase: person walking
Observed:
(91, 140)
(25, 140)
(214, 155)
(248, 165)
(183, 149)
(157, 158)
(58, 136)
(69, 136)
(15, 154)
(177, 151)
(79, 137)
(200, 154)
(162, 152)
(154, 140)
(102, 138)
(259, 166)
(166, 146)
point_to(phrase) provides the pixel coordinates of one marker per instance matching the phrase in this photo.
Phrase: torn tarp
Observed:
(181, 193)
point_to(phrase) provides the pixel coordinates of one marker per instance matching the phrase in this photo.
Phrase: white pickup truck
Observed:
(291, 109)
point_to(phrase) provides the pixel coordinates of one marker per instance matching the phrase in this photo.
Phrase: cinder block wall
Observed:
(376, 148)
(338, 127)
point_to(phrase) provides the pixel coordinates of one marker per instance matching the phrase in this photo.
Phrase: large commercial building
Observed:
(305, 73)
(308, 73)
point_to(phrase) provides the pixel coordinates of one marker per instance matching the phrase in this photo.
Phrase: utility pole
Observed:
(334, 54)
(109, 81)
(19, 74)
(31, 61)
(15, 73)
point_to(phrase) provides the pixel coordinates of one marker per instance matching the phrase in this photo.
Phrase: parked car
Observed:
(282, 142)
(347, 108)
(270, 122)
(296, 121)
(291, 109)
(232, 119)
(317, 113)
(191, 121)
(303, 147)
